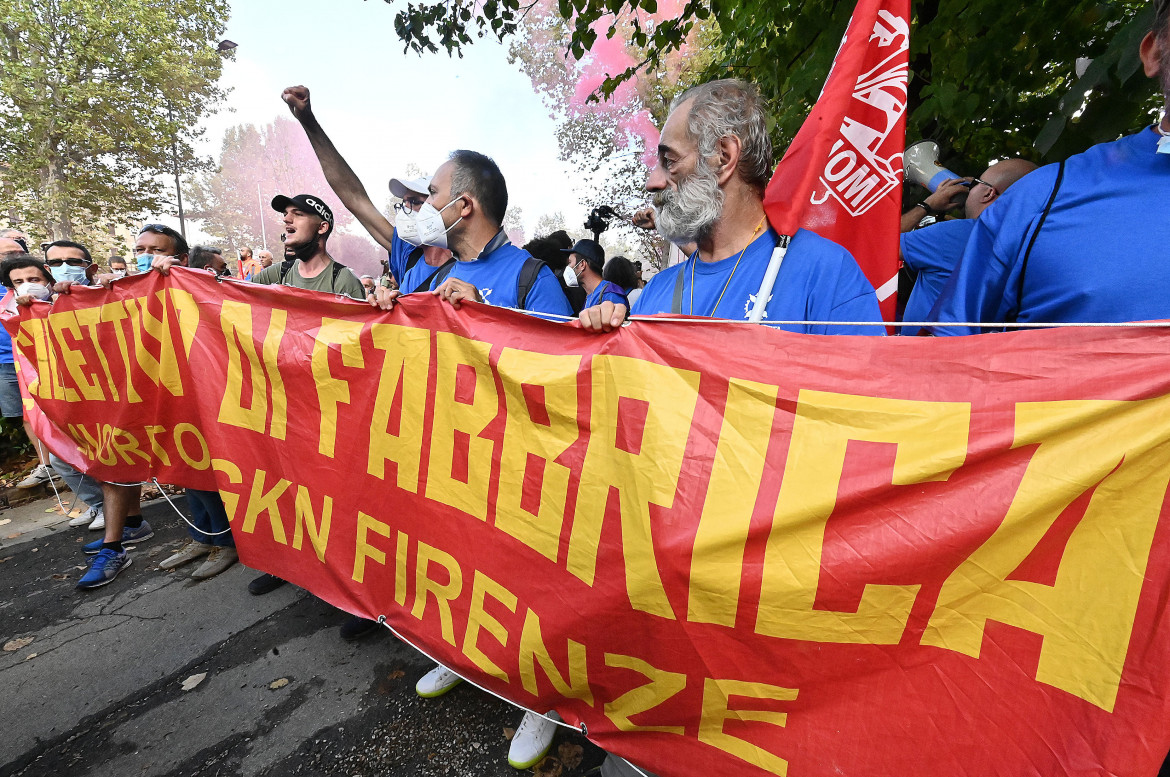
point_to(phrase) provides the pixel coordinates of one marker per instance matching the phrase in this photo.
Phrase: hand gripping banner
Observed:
(725, 549)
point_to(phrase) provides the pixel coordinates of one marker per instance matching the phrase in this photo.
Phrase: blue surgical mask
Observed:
(144, 261)
(74, 274)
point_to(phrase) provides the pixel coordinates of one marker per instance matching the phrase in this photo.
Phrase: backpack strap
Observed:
(285, 266)
(439, 275)
(527, 277)
(1032, 242)
(337, 268)
(413, 257)
(426, 284)
(676, 300)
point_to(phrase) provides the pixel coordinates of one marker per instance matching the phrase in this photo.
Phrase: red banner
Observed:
(724, 548)
(842, 175)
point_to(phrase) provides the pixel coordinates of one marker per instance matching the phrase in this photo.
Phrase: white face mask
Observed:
(34, 290)
(571, 277)
(406, 226)
(431, 230)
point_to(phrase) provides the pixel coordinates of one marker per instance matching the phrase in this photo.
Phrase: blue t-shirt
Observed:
(607, 291)
(497, 276)
(6, 356)
(408, 280)
(818, 281)
(932, 252)
(1100, 255)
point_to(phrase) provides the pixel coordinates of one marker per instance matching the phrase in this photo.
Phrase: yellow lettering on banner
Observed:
(717, 557)
(152, 433)
(365, 550)
(204, 460)
(142, 322)
(92, 446)
(33, 335)
(331, 390)
(643, 477)
(932, 443)
(455, 416)
(406, 363)
(444, 593)
(90, 319)
(533, 651)
(662, 686)
(231, 500)
(187, 311)
(59, 325)
(272, 340)
(401, 548)
(262, 501)
(114, 313)
(525, 437)
(479, 618)
(716, 694)
(123, 443)
(307, 519)
(235, 319)
(1119, 451)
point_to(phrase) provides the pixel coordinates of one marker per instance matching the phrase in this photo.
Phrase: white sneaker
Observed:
(186, 554)
(532, 741)
(99, 521)
(88, 517)
(40, 474)
(436, 682)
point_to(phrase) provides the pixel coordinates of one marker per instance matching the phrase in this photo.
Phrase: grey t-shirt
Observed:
(346, 282)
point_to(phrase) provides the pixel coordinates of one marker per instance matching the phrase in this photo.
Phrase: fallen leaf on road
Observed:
(549, 767)
(570, 754)
(82, 566)
(397, 674)
(193, 680)
(30, 656)
(277, 684)
(60, 577)
(13, 645)
(509, 733)
(12, 536)
(5, 521)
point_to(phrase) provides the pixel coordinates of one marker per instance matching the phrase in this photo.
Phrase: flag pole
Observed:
(765, 293)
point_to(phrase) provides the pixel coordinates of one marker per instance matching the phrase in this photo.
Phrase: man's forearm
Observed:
(345, 183)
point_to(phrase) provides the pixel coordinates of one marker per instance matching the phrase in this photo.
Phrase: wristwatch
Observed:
(929, 210)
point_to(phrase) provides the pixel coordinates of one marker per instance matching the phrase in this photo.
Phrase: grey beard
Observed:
(689, 213)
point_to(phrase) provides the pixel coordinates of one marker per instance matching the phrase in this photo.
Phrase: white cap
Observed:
(399, 187)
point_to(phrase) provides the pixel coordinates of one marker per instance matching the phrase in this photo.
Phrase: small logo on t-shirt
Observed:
(750, 306)
(485, 293)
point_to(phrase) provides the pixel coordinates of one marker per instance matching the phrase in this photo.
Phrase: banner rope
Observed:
(939, 324)
(180, 513)
(582, 729)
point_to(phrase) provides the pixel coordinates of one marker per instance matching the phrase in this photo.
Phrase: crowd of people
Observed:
(1069, 242)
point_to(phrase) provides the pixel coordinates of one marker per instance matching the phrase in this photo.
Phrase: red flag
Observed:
(842, 175)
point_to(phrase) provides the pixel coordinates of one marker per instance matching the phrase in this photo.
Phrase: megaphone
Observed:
(922, 167)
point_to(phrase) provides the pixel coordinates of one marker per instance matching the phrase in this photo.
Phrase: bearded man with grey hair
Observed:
(714, 162)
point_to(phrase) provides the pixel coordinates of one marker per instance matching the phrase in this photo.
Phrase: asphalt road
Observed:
(99, 688)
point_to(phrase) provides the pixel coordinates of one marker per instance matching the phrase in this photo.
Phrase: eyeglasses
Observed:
(975, 181)
(409, 204)
(70, 262)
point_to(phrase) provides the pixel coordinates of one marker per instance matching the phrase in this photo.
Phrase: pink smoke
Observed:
(609, 57)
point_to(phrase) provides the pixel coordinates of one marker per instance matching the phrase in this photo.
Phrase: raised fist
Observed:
(297, 98)
(644, 219)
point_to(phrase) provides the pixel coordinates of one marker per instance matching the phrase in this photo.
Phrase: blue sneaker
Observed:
(143, 532)
(105, 567)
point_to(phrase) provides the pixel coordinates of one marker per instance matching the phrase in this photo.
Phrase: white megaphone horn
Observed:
(922, 167)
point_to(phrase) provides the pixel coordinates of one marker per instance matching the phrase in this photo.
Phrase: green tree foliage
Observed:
(92, 96)
(989, 78)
